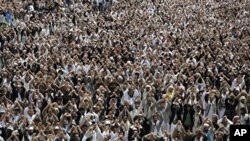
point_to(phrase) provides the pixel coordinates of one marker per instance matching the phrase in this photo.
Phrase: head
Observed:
(155, 116)
(170, 89)
(56, 130)
(224, 121)
(231, 99)
(149, 99)
(61, 135)
(84, 127)
(148, 88)
(219, 135)
(199, 133)
(188, 107)
(16, 111)
(130, 92)
(214, 118)
(242, 99)
(137, 104)
(151, 137)
(206, 127)
(121, 135)
(50, 112)
(31, 112)
(243, 111)
(81, 110)
(30, 130)
(107, 124)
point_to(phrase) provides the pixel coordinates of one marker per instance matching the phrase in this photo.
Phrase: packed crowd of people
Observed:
(123, 70)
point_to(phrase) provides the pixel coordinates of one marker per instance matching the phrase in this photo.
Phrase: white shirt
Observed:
(113, 136)
(15, 118)
(31, 118)
(86, 68)
(96, 135)
(129, 99)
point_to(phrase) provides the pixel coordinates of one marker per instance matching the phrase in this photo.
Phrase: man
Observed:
(176, 110)
(188, 117)
(29, 113)
(199, 136)
(61, 136)
(93, 134)
(230, 104)
(8, 16)
(29, 133)
(152, 137)
(219, 136)
(134, 134)
(129, 95)
(138, 129)
(208, 130)
(155, 123)
(17, 112)
(13, 136)
(2, 122)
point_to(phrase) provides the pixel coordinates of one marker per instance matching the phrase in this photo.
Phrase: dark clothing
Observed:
(175, 113)
(189, 113)
(131, 133)
(230, 109)
(204, 138)
(188, 138)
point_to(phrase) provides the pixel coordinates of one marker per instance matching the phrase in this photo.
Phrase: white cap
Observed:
(242, 97)
(31, 128)
(10, 127)
(107, 122)
(206, 125)
(2, 110)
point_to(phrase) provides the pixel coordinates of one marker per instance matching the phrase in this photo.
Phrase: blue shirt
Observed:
(8, 16)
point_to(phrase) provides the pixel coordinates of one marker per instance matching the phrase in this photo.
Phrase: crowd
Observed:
(123, 70)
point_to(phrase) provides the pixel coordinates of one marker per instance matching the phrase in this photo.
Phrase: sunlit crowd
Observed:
(123, 70)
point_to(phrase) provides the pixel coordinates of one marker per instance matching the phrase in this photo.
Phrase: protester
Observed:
(111, 70)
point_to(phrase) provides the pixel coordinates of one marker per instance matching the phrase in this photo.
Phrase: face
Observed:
(206, 128)
(84, 128)
(76, 137)
(65, 121)
(30, 132)
(81, 110)
(61, 134)
(50, 112)
(214, 119)
(155, 117)
(107, 126)
(30, 112)
(147, 89)
(242, 100)
(151, 138)
(219, 136)
(199, 134)
(121, 135)
(243, 111)
(137, 104)
(130, 93)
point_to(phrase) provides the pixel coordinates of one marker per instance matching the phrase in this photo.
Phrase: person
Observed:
(219, 136)
(188, 120)
(199, 136)
(8, 16)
